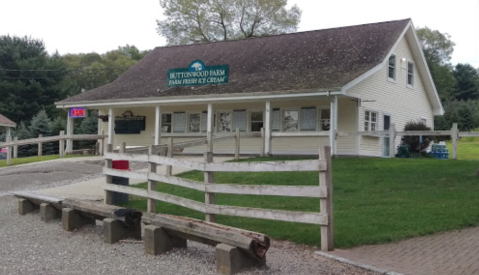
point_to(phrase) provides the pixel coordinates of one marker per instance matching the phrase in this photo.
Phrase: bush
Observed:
(415, 141)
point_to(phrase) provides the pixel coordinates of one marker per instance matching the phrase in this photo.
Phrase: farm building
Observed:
(302, 88)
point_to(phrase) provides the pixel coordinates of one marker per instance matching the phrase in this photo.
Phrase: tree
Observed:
(465, 113)
(191, 21)
(40, 124)
(29, 78)
(467, 82)
(438, 48)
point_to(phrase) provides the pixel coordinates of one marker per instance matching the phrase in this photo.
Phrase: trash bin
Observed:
(117, 198)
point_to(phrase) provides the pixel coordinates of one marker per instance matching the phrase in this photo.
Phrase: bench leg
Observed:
(26, 206)
(48, 212)
(72, 220)
(114, 230)
(157, 240)
(230, 260)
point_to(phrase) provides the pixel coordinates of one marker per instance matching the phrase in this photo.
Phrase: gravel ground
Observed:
(30, 246)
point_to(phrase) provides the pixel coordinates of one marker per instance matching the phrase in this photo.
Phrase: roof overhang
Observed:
(8, 125)
(188, 100)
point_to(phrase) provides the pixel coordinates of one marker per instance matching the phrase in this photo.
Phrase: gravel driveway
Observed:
(29, 246)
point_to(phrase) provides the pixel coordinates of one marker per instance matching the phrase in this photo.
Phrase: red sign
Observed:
(77, 112)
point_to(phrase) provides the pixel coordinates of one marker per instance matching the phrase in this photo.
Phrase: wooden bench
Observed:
(235, 248)
(50, 207)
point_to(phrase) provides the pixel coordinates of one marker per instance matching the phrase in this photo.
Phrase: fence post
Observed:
(169, 154)
(15, 148)
(392, 140)
(102, 150)
(209, 179)
(326, 204)
(454, 136)
(261, 152)
(61, 145)
(237, 147)
(122, 149)
(209, 142)
(151, 206)
(9, 150)
(108, 164)
(40, 146)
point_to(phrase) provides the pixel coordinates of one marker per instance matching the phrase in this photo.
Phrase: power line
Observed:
(67, 70)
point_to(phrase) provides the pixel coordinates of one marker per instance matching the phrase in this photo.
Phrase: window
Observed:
(224, 121)
(410, 74)
(392, 67)
(370, 121)
(179, 122)
(194, 123)
(423, 121)
(275, 119)
(308, 119)
(204, 121)
(166, 123)
(239, 120)
(290, 121)
(325, 120)
(256, 121)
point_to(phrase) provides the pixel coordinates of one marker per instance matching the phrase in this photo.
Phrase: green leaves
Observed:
(192, 21)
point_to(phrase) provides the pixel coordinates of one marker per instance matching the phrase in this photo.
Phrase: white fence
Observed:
(323, 191)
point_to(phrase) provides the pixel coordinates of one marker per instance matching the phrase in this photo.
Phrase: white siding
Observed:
(394, 98)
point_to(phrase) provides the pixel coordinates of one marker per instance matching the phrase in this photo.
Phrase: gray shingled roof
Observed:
(322, 59)
(6, 122)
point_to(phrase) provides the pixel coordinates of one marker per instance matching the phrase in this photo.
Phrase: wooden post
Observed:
(454, 137)
(209, 179)
(237, 147)
(169, 154)
(122, 149)
(326, 204)
(158, 125)
(9, 150)
(392, 140)
(267, 131)
(102, 145)
(262, 149)
(15, 148)
(108, 164)
(40, 146)
(61, 145)
(209, 142)
(151, 206)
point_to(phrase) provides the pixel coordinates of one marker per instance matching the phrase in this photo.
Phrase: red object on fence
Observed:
(120, 165)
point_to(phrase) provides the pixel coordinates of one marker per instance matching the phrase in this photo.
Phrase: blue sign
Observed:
(198, 74)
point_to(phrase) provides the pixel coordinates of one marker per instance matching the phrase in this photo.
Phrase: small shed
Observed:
(7, 124)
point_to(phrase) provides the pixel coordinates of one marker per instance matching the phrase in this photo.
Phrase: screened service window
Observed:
(275, 119)
(179, 122)
(410, 74)
(325, 119)
(166, 123)
(204, 121)
(239, 120)
(224, 121)
(194, 123)
(370, 121)
(290, 121)
(392, 67)
(256, 121)
(308, 118)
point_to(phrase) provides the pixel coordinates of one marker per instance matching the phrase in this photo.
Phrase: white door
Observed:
(386, 124)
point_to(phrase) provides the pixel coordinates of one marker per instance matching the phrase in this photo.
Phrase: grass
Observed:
(467, 148)
(375, 200)
(3, 162)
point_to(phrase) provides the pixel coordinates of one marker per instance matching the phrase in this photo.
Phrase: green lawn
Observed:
(375, 200)
(467, 148)
(3, 162)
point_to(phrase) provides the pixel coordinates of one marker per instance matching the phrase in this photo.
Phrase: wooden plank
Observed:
(191, 204)
(125, 174)
(169, 154)
(108, 179)
(221, 137)
(326, 204)
(268, 214)
(129, 157)
(424, 133)
(268, 190)
(36, 196)
(211, 233)
(126, 190)
(151, 204)
(300, 134)
(468, 134)
(209, 177)
(50, 139)
(177, 181)
(193, 165)
(269, 166)
(191, 143)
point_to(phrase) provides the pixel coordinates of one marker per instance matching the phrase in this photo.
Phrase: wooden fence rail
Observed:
(323, 191)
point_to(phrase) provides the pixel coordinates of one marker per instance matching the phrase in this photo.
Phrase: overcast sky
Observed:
(102, 25)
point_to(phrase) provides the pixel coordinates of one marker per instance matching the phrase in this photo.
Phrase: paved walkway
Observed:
(448, 253)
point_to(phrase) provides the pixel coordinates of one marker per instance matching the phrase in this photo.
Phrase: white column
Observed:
(8, 133)
(209, 128)
(267, 129)
(333, 124)
(111, 125)
(69, 132)
(157, 125)
(336, 120)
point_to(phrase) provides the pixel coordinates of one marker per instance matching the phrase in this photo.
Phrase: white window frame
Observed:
(410, 74)
(423, 120)
(249, 121)
(393, 79)
(319, 126)
(188, 121)
(171, 123)
(369, 122)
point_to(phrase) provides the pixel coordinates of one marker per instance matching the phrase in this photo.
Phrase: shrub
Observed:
(415, 142)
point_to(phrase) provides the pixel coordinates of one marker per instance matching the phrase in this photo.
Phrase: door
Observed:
(386, 139)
